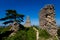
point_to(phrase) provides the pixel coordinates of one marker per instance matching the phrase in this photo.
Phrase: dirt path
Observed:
(37, 33)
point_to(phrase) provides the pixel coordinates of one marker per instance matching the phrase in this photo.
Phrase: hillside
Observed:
(26, 34)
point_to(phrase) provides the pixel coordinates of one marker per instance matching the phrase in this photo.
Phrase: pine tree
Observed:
(11, 16)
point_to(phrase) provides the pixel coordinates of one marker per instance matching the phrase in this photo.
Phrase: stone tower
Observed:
(28, 22)
(47, 19)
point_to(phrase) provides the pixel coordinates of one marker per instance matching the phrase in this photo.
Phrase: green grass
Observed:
(44, 34)
(27, 34)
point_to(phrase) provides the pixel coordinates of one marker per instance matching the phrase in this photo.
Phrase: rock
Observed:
(15, 27)
(12, 34)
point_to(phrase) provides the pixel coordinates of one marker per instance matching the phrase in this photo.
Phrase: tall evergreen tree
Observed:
(11, 16)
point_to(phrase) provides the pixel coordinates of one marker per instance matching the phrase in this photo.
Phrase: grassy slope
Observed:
(27, 34)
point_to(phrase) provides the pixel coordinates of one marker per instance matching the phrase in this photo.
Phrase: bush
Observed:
(23, 35)
(44, 34)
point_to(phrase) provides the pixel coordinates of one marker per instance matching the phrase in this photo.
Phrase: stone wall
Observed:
(47, 19)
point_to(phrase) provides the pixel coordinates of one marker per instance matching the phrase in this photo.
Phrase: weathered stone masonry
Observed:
(47, 19)
(28, 22)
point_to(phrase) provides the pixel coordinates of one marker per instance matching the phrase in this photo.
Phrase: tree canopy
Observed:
(11, 16)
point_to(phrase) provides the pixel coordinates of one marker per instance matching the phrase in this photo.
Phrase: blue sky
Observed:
(29, 8)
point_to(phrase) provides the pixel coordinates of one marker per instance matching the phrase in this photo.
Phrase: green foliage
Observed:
(58, 32)
(55, 38)
(5, 29)
(31, 34)
(28, 34)
(11, 16)
(44, 34)
(1, 29)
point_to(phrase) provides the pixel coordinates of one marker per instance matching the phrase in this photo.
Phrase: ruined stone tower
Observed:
(47, 19)
(28, 23)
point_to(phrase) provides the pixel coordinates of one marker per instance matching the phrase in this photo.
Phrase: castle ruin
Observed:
(28, 22)
(47, 19)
